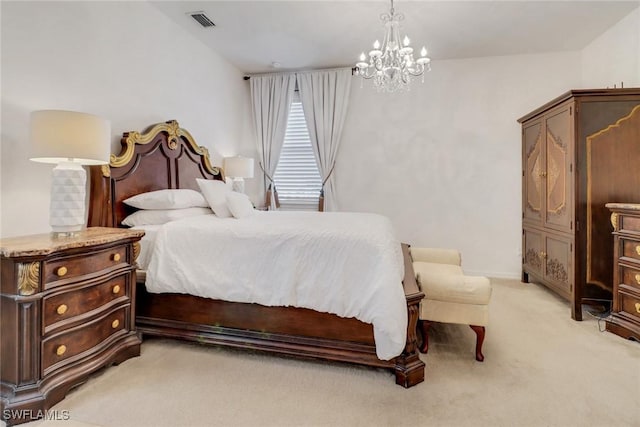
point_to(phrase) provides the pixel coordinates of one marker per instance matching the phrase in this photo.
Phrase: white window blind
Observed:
(297, 178)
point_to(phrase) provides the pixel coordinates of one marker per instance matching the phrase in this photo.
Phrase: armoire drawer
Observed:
(63, 346)
(66, 305)
(81, 264)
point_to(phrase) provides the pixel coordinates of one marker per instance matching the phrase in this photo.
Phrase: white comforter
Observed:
(349, 264)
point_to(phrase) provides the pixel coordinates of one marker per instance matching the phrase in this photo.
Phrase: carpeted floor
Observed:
(541, 369)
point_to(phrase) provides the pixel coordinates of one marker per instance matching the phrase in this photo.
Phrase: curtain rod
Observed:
(353, 71)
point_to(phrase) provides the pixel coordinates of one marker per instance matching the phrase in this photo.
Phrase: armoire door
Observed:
(559, 171)
(533, 250)
(558, 263)
(533, 172)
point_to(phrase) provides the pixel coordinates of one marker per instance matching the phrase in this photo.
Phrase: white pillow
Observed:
(168, 199)
(215, 191)
(239, 204)
(161, 216)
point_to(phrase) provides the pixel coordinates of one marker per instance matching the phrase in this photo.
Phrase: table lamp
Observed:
(238, 168)
(69, 139)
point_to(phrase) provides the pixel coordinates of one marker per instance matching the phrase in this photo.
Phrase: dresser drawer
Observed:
(629, 304)
(630, 276)
(630, 248)
(65, 345)
(629, 224)
(81, 264)
(66, 305)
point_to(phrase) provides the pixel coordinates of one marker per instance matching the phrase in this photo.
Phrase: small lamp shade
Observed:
(238, 167)
(70, 140)
(68, 136)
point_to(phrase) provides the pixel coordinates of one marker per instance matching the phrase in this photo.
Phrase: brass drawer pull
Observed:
(62, 309)
(61, 350)
(115, 323)
(116, 289)
(116, 257)
(638, 307)
(637, 277)
(638, 249)
(63, 270)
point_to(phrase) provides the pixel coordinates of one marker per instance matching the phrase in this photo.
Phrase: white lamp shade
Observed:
(238, 167)
(68, 136)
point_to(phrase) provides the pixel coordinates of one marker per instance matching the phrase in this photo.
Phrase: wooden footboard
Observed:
(284, 330)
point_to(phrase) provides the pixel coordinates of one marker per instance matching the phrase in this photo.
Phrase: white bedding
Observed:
(146, 244)
(342, 263)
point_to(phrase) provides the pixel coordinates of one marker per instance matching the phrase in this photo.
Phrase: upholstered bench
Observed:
(450, 296)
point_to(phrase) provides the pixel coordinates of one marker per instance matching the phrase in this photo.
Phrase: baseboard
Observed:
(497, 275)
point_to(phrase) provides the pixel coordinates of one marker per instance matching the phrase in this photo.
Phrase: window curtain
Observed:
(325, 97)
(271, 98)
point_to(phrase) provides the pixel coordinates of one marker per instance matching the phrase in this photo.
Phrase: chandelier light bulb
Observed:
(406, 41)
(423, 52)
(376, 45)
(363, 57)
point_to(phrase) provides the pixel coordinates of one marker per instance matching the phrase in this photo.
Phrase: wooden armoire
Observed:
(567, 178)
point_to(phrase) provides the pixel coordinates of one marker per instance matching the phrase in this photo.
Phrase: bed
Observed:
(165, 156)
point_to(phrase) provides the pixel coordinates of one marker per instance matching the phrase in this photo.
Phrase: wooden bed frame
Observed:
(166, 156)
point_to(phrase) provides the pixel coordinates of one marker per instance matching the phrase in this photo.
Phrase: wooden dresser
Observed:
(625, 315)
(571, 167)
(67, 310)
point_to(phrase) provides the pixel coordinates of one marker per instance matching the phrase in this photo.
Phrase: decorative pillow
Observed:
(168, 199)
(161, 216)
(215, 192)
(239, 204)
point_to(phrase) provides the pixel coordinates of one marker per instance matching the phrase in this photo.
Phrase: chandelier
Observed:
(392, 65)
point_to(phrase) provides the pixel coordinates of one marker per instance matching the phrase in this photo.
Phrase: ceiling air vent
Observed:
(202, 19)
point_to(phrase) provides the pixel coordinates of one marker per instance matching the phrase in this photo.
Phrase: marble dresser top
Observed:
(45, 244)
(625, 206)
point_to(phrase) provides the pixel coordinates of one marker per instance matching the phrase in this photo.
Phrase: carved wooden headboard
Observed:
(164, 156)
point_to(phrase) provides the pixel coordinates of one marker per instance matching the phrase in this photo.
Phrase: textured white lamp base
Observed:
(68, 188)
(238, 185)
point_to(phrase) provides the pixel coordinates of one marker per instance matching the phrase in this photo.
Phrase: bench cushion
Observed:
(447, 283)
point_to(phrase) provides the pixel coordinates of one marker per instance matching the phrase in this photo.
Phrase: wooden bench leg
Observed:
(479, 330)
(424, 327)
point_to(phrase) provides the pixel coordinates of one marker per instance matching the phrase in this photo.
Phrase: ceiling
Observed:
(253, 35)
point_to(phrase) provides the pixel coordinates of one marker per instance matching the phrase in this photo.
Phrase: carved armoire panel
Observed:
(558, 170)
(558, 262)
(532, 250)
(533, 173)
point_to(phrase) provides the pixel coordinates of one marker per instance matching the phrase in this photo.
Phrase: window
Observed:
(297, 179)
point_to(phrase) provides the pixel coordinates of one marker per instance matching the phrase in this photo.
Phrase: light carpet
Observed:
(541, 369)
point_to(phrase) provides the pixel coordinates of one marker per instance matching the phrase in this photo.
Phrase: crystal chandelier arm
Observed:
(419, 69)
(367, 73)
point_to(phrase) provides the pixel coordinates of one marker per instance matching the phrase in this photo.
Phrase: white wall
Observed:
(124, 61)
(614, 57)
(443, 160)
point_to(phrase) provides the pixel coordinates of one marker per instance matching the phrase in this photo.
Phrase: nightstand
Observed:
(67, 310)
